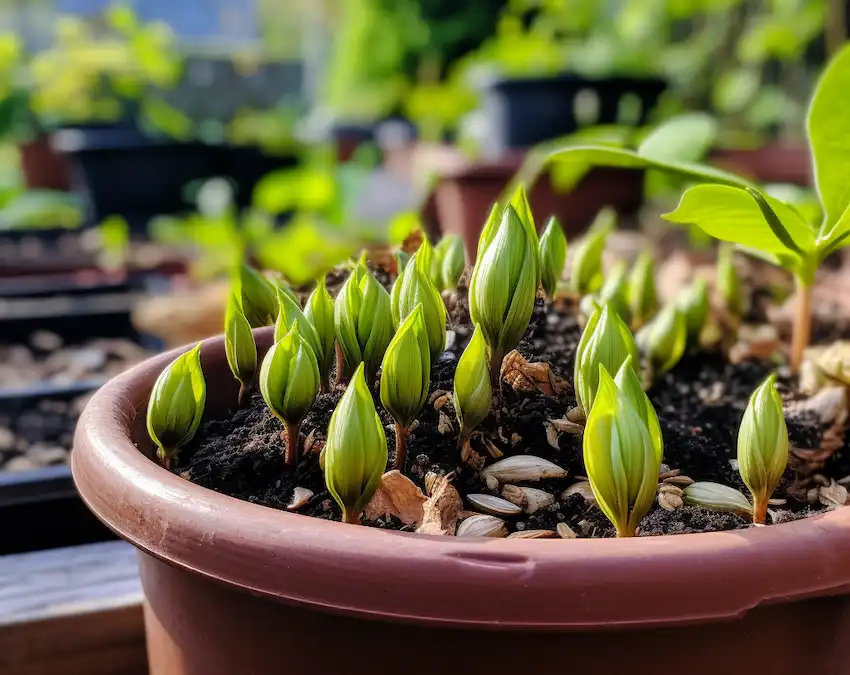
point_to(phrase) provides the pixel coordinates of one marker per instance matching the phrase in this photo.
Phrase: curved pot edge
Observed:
(367, 572)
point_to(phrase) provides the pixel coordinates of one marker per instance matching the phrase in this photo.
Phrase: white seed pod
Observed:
(495, 506)
(482, 526)
(300, 496)
(717, 497)
(565, 531)
(532, 534)
(529, 499)
(522, 467)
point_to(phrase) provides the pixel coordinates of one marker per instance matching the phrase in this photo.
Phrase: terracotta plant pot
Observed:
(234, 587)
(43, 167)
(771, 163)
(465, 193)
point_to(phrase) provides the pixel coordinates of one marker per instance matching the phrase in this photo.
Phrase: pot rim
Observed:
(539, 584)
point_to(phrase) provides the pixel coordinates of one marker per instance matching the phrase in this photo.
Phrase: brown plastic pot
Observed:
(43, 167)
(465, 193)
(235, 588)
(771, 163)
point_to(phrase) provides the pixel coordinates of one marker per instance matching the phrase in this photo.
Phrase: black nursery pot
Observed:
(527, 111)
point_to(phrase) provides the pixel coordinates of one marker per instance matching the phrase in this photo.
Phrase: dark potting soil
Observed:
(699, 403)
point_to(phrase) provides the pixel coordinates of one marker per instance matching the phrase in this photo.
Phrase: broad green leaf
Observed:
(829, 137)
(731, 214)
(686, 137)
(628, 159)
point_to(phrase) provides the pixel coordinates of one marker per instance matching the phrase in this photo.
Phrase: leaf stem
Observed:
(340, 364)
(351, 517)
(244, 398)
(496, 357)
(802, 330)
(401, 434)
(760, 511)
(291, 437)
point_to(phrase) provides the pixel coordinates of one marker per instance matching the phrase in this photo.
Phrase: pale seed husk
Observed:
(717, 497)
(681, 481)
(552, 435)
(431, 479)
(565, 531)
(491, 447)
(670, 502)
(567, 426)
(491, 482)
(444, 424)
(482, 526)
(576, 415)
(532, 534)
(523, 467)
(529, 499)
(495, 506)
(583, 488)
(300, 496)
(666, 488)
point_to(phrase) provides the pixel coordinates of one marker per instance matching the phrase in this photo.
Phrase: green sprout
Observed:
(319, 311)
(289, 383)
(448, 263)
(290, 312)
(777, 231)
(363, 321)
(643, 300)
(503, 284)
(664, 339)
(355, 454)
(258, 296)
(406, 377)
(620, 459)
(401, 260)
(586, 270)
(717, 497)
(473, 394)
(614, 291)
(553, 255)
(177, 404)
(729, 287)
(694, 305)
(606, 340)
(414, 287)
(240, 348)
(763, 446)
(629, 384)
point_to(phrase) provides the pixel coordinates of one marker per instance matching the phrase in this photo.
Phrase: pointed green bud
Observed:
(586, 268)
(489, 229)
(729, 287)
(763, 446)
(290, 312)
(177, 404)
(406, 370)
(415, 287)
(663, 340)
(319, 311)
(289, 383)
(401, 260)
(452, 262)
(473, 394)
(356, 449)
(606, 340)
(258, 297)
(363, 321)
(694, 305)
(717, 497)
(553, 255)
(643, 300)
(239, 344)
(503, 285)
(615, 290)
(629, 384)
(523, 209)
(621, 464)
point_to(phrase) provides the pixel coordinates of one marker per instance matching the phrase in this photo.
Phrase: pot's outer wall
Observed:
(765, 590)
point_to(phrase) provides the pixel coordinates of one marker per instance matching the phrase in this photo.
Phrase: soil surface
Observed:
(699, 405)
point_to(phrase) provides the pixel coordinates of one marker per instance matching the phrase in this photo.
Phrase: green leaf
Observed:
(829, 137)
(686, 137)
(731, 214)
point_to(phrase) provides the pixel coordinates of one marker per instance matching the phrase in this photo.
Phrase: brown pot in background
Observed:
(237, 588)
(43, 168)
(771, 163)
(465, 193)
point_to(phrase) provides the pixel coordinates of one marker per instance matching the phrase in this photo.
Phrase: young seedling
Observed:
(319, 311)
(763, 446)
(258, 296)
(355, 454)
(693, 303)
(406, 377)
(414, 287)
(717, 497)
(630, 386)
(363, 321)
(240, 348)
(177, 404)
(449, 260)
(643, 300)
(606, 340)
(730, 290)
(289, 383)
(553, 255)
(503, 285)
(663, 340)
(777, 231)
(620, 459)
(473, 393)
(290, 312)
(586, 270)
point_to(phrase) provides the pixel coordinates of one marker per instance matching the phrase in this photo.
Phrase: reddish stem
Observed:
(291, 437)
(401, 434)
(760, 511)
(802, 326)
